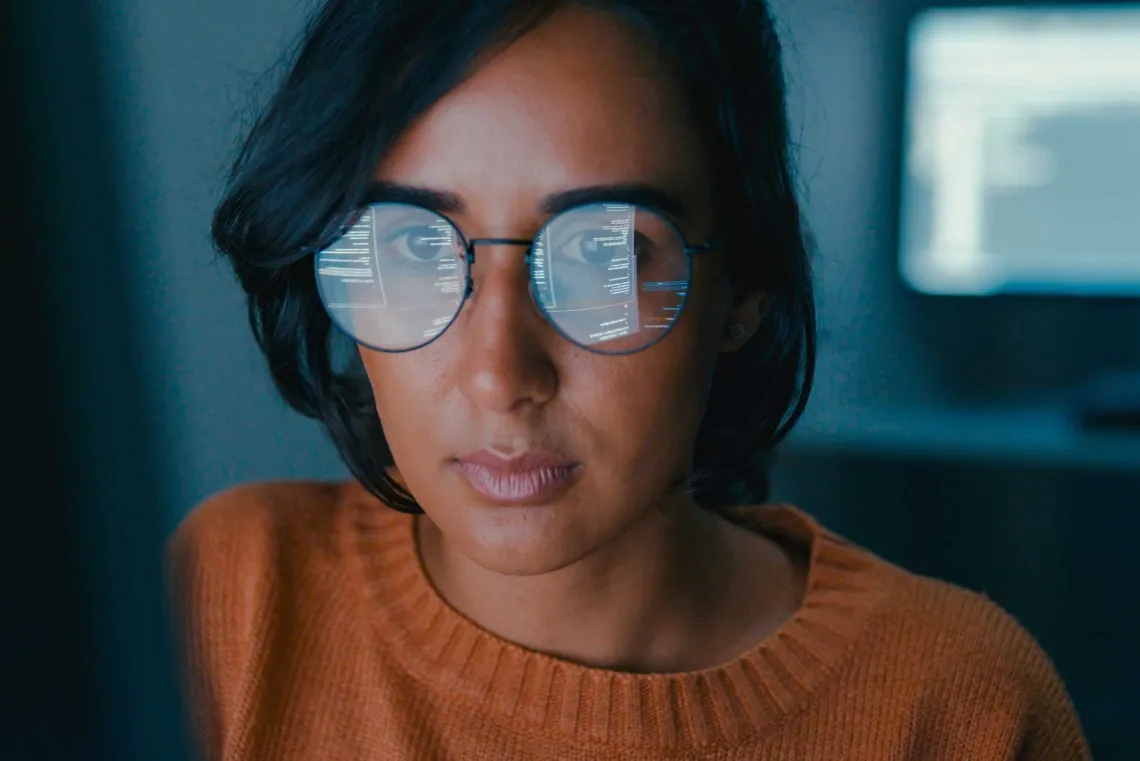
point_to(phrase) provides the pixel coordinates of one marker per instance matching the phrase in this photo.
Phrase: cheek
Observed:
(407, 389)
(681, 367)
(645, 408)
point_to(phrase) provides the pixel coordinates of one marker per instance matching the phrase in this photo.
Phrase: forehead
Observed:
(578, 101)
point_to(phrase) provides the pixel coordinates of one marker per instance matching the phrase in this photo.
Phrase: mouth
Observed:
(531, 479)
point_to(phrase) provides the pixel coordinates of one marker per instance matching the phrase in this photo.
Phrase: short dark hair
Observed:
(365, 69)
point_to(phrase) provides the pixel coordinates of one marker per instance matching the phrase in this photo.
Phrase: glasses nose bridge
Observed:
(525, 244)
(471, 244)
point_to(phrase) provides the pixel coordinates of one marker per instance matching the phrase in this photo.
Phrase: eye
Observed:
(597, 247)
(419, 243)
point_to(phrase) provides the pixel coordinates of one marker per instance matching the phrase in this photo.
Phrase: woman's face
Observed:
(527, 452)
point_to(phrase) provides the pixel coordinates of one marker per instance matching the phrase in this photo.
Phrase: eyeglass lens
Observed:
(611, 278)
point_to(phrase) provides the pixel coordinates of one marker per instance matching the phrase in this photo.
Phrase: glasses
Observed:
(610, 277)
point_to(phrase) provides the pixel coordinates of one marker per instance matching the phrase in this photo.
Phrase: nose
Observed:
(505, 365)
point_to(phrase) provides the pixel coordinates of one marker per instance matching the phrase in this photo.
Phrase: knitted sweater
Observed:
(311, 633)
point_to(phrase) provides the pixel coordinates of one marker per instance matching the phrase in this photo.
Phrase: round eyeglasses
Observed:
(610, 277)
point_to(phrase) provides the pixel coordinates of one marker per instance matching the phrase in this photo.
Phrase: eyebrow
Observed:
(634, 193)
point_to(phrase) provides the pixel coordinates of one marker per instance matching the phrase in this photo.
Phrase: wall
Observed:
(189, 76)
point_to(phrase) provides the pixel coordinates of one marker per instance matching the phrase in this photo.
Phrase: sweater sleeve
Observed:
(218, 578)
(1052, 730)
(989, 689)
(1005, 695)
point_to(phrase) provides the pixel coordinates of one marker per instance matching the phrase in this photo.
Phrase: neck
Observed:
(678, 591)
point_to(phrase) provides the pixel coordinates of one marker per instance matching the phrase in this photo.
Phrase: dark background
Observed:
(937, 435)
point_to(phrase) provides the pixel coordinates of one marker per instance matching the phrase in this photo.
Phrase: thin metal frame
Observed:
(689, 250)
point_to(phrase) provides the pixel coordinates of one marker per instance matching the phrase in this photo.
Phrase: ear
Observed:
(744, 316)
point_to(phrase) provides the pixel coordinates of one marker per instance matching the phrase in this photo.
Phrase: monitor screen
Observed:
(1021, 155)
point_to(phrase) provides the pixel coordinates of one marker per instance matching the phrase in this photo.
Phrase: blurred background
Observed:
(963, 423)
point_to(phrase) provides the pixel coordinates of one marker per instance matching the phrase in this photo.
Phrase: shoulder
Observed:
(230, 565)
(253, 516)
(962, 670)
(920, 622)
(238, 550)
(977, 670)
(968, 627)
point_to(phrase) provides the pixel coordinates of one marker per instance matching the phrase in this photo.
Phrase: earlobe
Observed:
(744, 320)
(735, 336)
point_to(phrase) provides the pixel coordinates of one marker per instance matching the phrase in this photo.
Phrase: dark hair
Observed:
(365, 69)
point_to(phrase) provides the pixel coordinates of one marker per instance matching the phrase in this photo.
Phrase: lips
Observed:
(533, 478)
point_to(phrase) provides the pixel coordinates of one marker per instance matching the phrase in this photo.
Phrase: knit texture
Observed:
(311, 632)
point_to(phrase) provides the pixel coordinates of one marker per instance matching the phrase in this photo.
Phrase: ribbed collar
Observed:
(592, 707)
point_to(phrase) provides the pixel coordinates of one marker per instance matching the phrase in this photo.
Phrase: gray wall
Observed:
(188, 76)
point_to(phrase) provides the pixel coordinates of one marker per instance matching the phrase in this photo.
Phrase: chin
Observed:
(520, 541)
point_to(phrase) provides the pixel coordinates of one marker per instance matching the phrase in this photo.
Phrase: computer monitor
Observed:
(1021, 151)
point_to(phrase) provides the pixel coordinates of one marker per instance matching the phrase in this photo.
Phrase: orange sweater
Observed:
(312, 633)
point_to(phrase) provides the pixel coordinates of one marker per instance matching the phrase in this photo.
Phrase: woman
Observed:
(538, 268)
